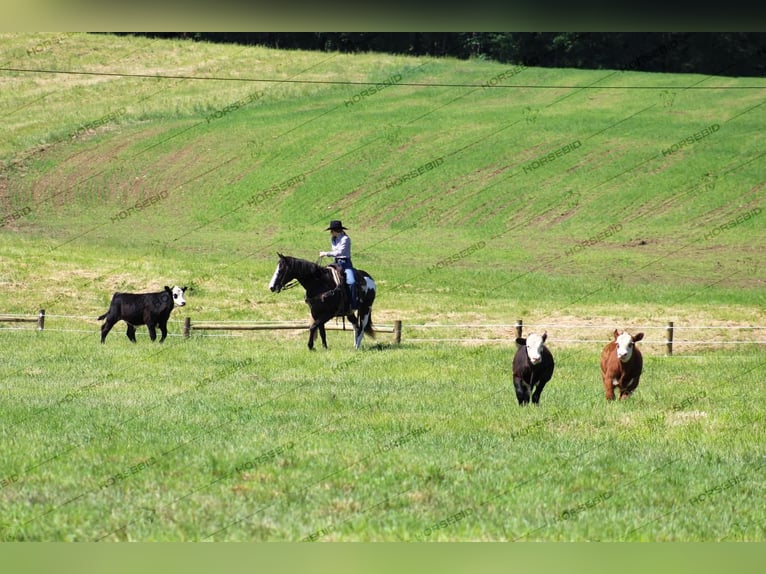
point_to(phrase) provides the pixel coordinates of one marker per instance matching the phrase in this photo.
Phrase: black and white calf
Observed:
(532, 367)
(150, 309)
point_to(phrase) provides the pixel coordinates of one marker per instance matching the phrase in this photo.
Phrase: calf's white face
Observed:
(178, 296)
(625, 344)
(534, 346)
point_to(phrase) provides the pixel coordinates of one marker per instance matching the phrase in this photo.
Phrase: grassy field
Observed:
(599, 198)
(212, 439)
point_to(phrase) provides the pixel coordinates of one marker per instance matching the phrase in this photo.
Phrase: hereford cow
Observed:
(621, 364)
(150, 309)
(532, 367)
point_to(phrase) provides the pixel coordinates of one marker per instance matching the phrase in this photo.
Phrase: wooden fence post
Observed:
(397, 332)
(187, 327)
(519, 327)
(669, 339)
(41, 320)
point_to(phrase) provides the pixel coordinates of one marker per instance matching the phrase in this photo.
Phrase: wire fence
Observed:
(670, 335)
(724, 335)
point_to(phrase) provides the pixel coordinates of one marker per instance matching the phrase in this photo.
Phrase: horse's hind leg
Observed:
(355, 324)
(359, 329)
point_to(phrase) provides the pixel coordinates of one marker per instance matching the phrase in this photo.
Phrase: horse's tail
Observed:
(369, 329)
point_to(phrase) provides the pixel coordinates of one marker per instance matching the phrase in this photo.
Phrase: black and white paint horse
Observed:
(325, 295)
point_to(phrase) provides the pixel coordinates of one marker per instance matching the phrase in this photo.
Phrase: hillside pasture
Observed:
(577, 200)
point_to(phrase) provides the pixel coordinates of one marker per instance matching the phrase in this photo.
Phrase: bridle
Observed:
(282, 286)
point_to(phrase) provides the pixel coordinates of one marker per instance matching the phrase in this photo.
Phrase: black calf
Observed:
(532, 368)
(150, 309)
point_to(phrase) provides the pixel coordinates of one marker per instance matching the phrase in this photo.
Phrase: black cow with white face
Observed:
(532, 368)
(150, 309)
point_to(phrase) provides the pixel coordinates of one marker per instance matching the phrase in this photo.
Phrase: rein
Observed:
(338, 282)
(294, 282)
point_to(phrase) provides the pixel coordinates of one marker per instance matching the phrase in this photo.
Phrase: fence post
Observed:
(669, 338)
(397, 332)
(187, 327)
(41, 320)
(519, 327)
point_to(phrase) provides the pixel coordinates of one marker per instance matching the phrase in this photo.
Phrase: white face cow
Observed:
(534, 344)
(178, 296)
(625, 344)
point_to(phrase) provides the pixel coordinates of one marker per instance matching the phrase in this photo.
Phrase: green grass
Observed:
(252, 439)
(419, 442)
(201, 179)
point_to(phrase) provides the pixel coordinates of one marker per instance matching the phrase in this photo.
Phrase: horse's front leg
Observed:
(322, 334)
(312, 334)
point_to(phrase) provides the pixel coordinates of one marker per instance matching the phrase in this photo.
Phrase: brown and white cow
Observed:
(621, 364)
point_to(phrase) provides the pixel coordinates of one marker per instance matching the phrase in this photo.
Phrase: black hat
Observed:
(336, 225)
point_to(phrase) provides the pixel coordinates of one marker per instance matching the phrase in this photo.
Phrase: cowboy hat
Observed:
(336, 225)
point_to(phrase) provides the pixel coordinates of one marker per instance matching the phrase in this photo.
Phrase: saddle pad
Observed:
(335, 274)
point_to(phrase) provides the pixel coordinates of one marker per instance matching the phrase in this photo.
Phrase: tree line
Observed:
(713, 53)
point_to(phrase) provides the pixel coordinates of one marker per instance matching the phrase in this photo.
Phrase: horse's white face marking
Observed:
(535, 348)
(275, 277)
(625, 346)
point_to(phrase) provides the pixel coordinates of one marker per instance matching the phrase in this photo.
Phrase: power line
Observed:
(362, 83)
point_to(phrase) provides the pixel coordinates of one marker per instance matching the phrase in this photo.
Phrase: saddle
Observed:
(340, 281)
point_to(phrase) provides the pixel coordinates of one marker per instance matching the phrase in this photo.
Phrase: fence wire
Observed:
(497, 333)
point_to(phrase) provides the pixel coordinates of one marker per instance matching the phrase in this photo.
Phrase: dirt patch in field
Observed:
(73, 176)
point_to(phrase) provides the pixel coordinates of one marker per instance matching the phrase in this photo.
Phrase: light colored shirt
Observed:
(341, 246)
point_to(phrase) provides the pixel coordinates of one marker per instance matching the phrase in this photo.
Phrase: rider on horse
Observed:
(341, 251)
